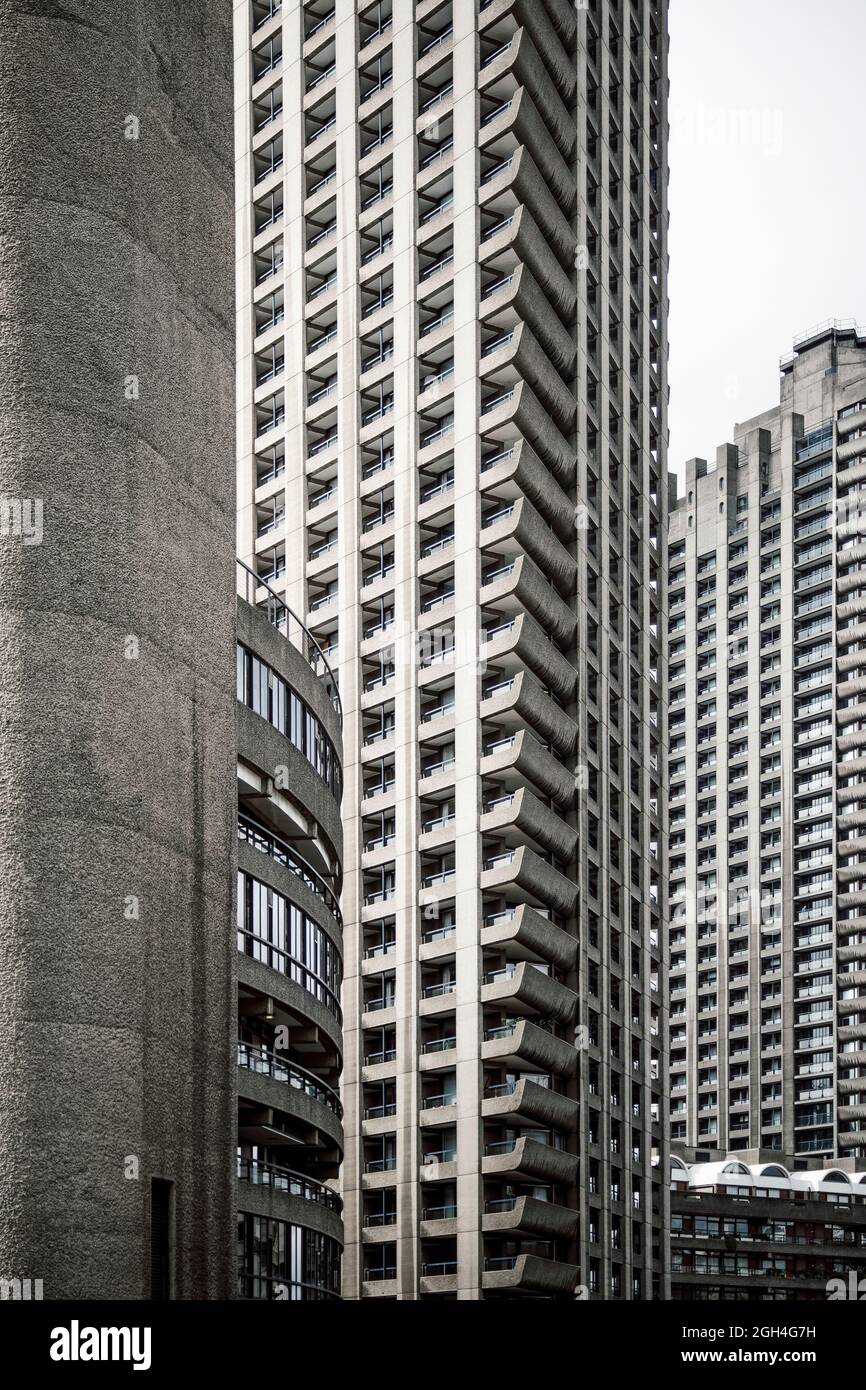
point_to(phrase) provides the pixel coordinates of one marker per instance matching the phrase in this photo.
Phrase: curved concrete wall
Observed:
(117, 813)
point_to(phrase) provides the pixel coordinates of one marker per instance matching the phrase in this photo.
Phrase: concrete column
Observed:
(117, 819)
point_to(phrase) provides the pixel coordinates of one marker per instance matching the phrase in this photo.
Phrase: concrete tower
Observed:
(452, 328)
(767, 762)
(117, 631)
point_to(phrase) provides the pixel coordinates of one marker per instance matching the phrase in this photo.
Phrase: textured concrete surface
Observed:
(116, 774)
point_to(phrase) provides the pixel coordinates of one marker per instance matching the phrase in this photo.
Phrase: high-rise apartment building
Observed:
(767, 748)
(452, 331)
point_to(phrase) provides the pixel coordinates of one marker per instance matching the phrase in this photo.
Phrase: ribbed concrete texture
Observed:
(116, 642)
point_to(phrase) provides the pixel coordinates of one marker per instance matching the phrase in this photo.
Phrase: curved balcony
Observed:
(533, 933)
(521, 868)
(545, 350)
(523, 638)
(521, 529)
(519, 469)
(278, 772)
(532, 1273)
(521, 409)
(519, 699)
(269, 1082)
(844, 611)
(524, 586)
(552, 79)
(259, 597)
(528, 1160)
(851, 714)
(527, 1216)
(523, 122)
(526, 181)
(271, 859)
(526, 1101)
(534, 820)
(524, 755)
(265, 1189)
(563, 17)
(847, 558)
(850, 448)
(541, 363)
(520, 988)
(519, 233)
(267, 971)
(853, 793)
(527, 1047)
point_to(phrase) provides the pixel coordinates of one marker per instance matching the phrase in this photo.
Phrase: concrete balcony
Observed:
(564, 20)
(535, 934)
(524, 701)
(526, 181)
(852, 713)
(526, 640)
(522, 409)
(529, 991)
(845, 742)
(524, 755)
(850, 448)
(281, 1194)
(857, 472)
(553, 79)
(534, 1103)
(520, 467)
(379, 1288)
(851, 634)
(525, 870)
(528, 532)
(529, 1160)
(855, 556)
(528, 588)
(529, 1217)
(298, 1097)
(536, 821)
(524, 121)
(523, 234)
(533, 359)
(853, 793)
(857, 686)
(850, 609)
(857, 1007)
(527, 1046)
(535, 1275)
(848, 579)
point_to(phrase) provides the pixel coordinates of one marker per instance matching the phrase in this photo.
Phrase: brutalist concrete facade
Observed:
(452, 341)
(767, 786)
(117, 649)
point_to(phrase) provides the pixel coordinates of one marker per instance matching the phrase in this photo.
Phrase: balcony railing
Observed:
(259, 1059)
(286, 1180)
(280, 615)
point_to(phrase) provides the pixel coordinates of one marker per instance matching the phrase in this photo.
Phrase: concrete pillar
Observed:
(117, 819)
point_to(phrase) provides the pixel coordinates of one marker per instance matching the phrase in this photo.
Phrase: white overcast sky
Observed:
(767, 198)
